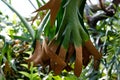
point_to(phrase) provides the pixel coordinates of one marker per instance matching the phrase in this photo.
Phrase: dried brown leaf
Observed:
(78, 61)
(37, 49)
(57, 64)
(54, 6)
(71, 50)
(53, 46)
(62, 53)
(86, 56)
(8, 70)
(68, 68)
(91, 48)
(96, 64)
(39, 56)
(97, 56)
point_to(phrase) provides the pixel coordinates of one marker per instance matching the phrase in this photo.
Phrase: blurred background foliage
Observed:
(16, 46)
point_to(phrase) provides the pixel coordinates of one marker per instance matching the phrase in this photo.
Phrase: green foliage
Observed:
(29, 28)
(30, 75)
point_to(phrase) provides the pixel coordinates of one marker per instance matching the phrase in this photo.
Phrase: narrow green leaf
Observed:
(76, 37)
(42, 25)
(25, 74)
(24, 65)
(34, 75)
(38, 3)
(22, 38)
(67, 37)
(71, 77)
(43, 1)
(57, 78)
(29, 28)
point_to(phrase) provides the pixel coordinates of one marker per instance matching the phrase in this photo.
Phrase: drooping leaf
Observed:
(56, 62)
(86, 56)
(39, 55)
(91, 48)
(78, 61)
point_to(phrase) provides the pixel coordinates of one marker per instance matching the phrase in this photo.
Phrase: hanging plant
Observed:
(69, 44)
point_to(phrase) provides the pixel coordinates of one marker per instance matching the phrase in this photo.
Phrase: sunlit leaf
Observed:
(24, 73)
